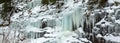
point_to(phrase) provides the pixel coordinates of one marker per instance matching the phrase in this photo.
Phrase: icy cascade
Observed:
(35, 22)
(65, 21)
(73, 16)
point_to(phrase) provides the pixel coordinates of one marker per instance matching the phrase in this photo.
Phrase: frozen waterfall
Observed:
(59, 21)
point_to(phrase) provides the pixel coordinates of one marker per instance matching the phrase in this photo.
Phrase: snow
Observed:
(31, 28)
(103, 25)
(99, 35)
(84, 39)
(112, 38)
(106, 23)
(21, 6)
(110, 1)
(1, 21)
(47, 16)
(117, 21)
(15, 16)
(0, 5)
(49, 29)
(36, 9)
(39, 40)
(109, 10)
(113, 18)
(80, 30)
(117, 0)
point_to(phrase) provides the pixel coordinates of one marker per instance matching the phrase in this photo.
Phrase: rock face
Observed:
(60, 21)
(6, 13)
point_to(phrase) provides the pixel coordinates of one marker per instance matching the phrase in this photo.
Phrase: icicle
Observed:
(74, 19)
(67, 22)
(33, 4)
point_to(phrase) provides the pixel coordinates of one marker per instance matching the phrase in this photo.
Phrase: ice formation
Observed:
(59, 21)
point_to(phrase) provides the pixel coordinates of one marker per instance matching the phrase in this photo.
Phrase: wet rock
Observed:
(44, 24)
(48, 23)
